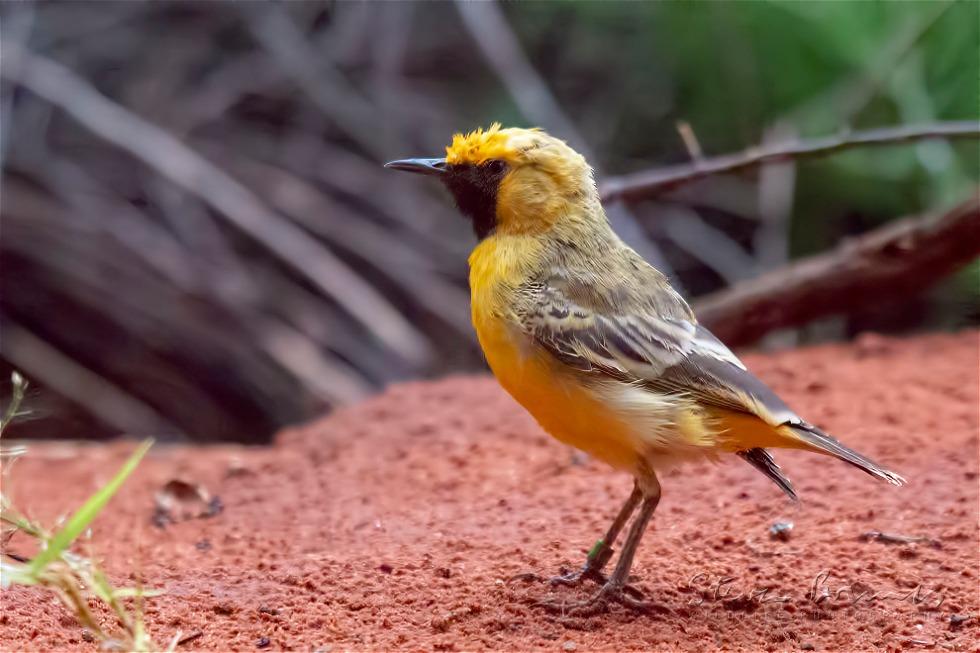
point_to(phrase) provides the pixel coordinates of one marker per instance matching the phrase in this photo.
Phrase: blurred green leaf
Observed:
(78, 522)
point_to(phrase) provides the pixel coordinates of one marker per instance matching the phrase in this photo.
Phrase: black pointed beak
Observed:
(434, 167)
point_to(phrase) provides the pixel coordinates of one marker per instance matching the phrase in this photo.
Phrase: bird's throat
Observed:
(475, 190)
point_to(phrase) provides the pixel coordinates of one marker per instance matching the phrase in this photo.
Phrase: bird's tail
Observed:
(817, 440)
(765, 463)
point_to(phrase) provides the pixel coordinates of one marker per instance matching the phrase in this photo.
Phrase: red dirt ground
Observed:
(400, 522)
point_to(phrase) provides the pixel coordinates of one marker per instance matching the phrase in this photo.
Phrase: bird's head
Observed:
(512, 181)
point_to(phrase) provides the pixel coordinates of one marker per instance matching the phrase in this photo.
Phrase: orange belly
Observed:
(568, 410)
(574, 412)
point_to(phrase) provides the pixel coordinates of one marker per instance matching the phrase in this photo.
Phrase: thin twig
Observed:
(711, 246)
(116, 220)
(777, 186)
(404, 267)
(241, 206)
(97, 394)
(896, 538)
(232, 329)
(190, 637)
(641, 185)
(893, 261)
(691, 142)
(328, 378)
(349, 110)
(17, 27)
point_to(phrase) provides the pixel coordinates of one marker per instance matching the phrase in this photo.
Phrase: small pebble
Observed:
(569, 646)
(781, 530)
(263, 642)
(957, 620)
(385, 568)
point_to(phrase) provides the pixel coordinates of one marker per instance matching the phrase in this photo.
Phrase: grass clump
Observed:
(76, 580)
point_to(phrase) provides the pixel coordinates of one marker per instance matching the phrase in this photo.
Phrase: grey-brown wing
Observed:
(723, 381)
(659, 347)
(651, 343)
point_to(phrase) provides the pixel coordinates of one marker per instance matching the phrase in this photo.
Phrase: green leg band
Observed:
(596, 550)
(599, 555)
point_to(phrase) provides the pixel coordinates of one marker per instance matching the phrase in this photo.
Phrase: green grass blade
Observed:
(84, 516)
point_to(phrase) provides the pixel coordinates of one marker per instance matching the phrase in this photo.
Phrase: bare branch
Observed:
(337, 98)
(196, 175)
(96, 394)
(16, 27)
(327, 377)
(691, 142)
(711, 246)
(777, 190)
(648, 183)
(897, 260)
(162, 320)
(403, 266)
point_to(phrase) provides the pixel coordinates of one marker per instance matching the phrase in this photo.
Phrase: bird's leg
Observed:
(616, 583)
(602, 551)
(613, 589)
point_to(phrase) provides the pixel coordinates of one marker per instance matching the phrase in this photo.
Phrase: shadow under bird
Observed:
(595, 344)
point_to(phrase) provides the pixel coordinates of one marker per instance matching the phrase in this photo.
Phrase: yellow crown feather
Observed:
(481, 145)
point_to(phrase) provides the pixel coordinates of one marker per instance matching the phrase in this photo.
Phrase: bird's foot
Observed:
(598, 556)
(610, 593)
(592, 569)
(574, 578)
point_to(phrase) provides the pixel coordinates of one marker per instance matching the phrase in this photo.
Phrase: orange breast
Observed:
(564, 407)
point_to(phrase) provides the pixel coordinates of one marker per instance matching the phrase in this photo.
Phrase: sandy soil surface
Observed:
(400, 523)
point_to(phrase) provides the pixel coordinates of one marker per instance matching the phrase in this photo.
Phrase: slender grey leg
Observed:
(615, 588)
(621, 573)
(602, 551)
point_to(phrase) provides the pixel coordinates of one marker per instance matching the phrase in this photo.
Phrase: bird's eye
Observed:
(495, 166)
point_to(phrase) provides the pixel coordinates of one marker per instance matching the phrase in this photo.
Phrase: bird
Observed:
(594, 342)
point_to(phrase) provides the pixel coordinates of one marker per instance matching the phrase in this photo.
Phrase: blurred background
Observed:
(198, 239)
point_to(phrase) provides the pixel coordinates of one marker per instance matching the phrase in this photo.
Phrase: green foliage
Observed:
(734, 69)
(60, 541)
(74, 579)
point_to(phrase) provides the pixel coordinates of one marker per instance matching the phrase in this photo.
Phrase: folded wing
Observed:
(658, 344)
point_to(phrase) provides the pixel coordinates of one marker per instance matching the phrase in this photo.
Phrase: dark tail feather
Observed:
(827, 444)
(764, 462)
